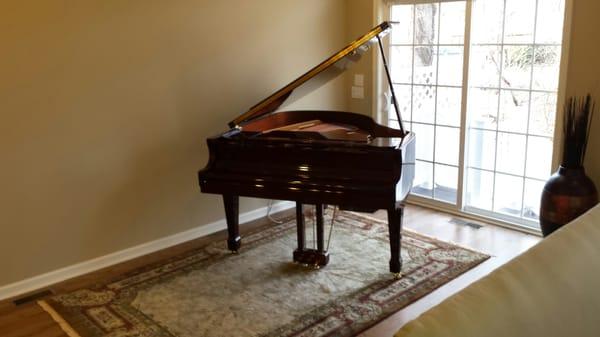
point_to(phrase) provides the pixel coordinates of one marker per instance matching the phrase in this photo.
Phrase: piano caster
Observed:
(234, 252)
(397, 276)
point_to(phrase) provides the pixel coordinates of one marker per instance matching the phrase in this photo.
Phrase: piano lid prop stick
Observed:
(389, 77)
(269, 208)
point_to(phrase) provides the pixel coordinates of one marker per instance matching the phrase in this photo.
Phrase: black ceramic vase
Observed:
(567, 194)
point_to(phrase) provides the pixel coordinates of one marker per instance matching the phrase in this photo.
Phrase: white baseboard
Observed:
(47, 279)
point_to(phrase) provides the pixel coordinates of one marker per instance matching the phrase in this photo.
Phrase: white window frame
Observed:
(381, 12)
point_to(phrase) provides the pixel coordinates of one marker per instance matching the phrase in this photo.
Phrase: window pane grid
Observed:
(504, 173)
(394, 120)
(515, 89)
(509, 132)
(513, 127)
(440, 164)
(425, 85)
(510, 100)
(529, 109)
(432, 107)
(501, 65)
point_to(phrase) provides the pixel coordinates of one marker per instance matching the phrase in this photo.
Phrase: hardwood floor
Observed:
(503, 244)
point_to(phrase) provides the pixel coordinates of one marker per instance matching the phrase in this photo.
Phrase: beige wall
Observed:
(584, 71)
(105, 107)
(360, 20)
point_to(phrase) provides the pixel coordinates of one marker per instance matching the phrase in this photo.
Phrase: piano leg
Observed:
(395, 226)
(231, 203)
(300, 226)
(320, 229)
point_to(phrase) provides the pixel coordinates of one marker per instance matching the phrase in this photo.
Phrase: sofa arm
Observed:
(553, 289)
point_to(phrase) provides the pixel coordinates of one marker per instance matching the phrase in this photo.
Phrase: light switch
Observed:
(358, 92)
(359, 80)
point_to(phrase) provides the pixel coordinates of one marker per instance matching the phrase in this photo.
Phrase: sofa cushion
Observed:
(553, 289)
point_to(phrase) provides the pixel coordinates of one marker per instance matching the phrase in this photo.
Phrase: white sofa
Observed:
(551, 290)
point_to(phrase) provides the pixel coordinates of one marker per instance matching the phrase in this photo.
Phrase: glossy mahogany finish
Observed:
(314, 157)
(284, 118)
(361, 176)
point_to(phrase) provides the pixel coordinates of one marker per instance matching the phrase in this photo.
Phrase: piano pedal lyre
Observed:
(318, 256)
(311, 258)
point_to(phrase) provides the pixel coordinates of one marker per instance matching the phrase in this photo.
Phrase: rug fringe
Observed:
(66, 327)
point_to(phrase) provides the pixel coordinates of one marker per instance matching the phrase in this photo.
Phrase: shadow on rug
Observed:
(260, 292)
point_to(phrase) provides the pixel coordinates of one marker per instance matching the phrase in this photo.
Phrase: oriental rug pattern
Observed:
(259, 292)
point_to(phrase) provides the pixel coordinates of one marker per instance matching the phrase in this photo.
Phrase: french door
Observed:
(477, 81)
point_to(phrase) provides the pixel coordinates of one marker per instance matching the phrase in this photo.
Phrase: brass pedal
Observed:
(311, 258)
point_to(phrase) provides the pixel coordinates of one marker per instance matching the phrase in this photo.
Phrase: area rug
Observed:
(212, 293)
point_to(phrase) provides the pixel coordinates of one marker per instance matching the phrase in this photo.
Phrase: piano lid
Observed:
(326, 70)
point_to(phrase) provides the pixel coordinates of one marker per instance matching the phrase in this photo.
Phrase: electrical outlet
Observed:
(359, 80)
(358, 92)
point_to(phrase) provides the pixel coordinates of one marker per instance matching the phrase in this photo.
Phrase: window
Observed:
(427, 61)
(477, 82)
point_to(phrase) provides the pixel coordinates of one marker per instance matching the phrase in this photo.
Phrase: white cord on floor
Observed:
(335, 208)
(269, 206)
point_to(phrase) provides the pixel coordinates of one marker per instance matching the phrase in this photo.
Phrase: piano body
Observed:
(314, 158)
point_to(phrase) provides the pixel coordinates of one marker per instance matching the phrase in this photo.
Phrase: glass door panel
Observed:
(432, 74)
(513, 60)
(513, 79)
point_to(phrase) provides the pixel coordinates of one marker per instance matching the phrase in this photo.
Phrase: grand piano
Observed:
(315, 157)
